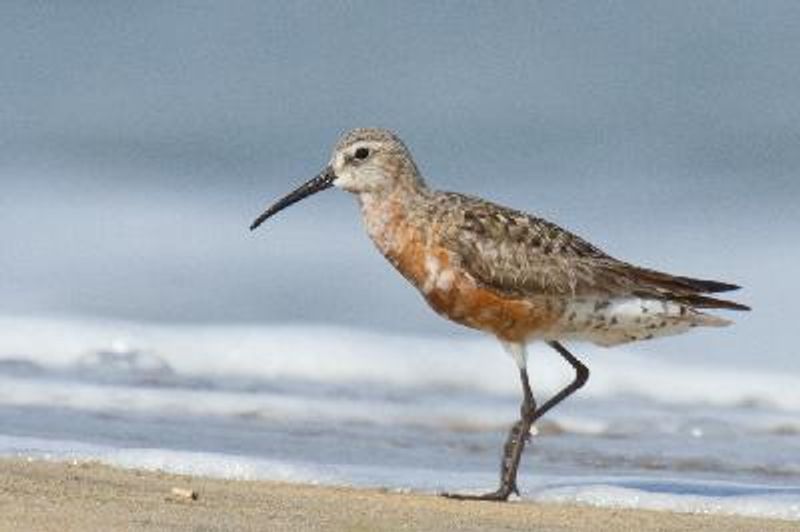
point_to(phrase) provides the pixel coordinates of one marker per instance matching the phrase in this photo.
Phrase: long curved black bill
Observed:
(321, 182)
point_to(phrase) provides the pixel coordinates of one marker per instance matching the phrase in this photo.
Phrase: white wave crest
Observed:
(338, 355)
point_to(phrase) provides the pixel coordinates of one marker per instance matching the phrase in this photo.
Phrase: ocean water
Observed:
(335, 405)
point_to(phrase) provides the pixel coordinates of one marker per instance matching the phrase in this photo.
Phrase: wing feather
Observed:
(520, 255)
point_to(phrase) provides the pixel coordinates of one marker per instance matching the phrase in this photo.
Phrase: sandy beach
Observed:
(42, 495)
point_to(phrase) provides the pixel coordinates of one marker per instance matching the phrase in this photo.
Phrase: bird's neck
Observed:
(389, 217)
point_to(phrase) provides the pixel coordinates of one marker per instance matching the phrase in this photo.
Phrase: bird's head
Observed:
(364, 161)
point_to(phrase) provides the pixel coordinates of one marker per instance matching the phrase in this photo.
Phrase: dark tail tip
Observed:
(699, 301)
(704, 285)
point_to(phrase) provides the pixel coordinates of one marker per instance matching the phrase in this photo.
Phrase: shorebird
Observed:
(505, 272)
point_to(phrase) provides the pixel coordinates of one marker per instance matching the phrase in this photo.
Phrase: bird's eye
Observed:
(361, 153)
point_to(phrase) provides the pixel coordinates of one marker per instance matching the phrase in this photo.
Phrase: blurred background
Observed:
(138, 140)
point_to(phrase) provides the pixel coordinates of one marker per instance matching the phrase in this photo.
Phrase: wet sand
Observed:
(41, 495)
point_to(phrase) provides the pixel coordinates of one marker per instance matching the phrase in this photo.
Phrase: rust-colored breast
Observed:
(453, 293)
(413, 244)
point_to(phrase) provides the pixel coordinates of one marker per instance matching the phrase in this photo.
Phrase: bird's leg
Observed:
(581, 376)
(520, 431)
(517, 437)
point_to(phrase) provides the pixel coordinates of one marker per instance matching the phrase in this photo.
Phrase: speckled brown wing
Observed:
(519, 255)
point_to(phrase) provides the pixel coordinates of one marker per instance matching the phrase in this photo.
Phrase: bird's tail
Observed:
(705, 302)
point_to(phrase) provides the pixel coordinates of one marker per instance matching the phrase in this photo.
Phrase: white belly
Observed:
(618, 321)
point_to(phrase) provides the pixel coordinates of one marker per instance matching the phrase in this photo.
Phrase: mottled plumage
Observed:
(499, 270)
(521, 255)
(522, 259)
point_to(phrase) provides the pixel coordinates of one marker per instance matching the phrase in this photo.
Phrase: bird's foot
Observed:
(500, 495)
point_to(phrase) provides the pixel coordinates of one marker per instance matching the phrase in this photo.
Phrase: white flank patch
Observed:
(432, 269)
(445, 280)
